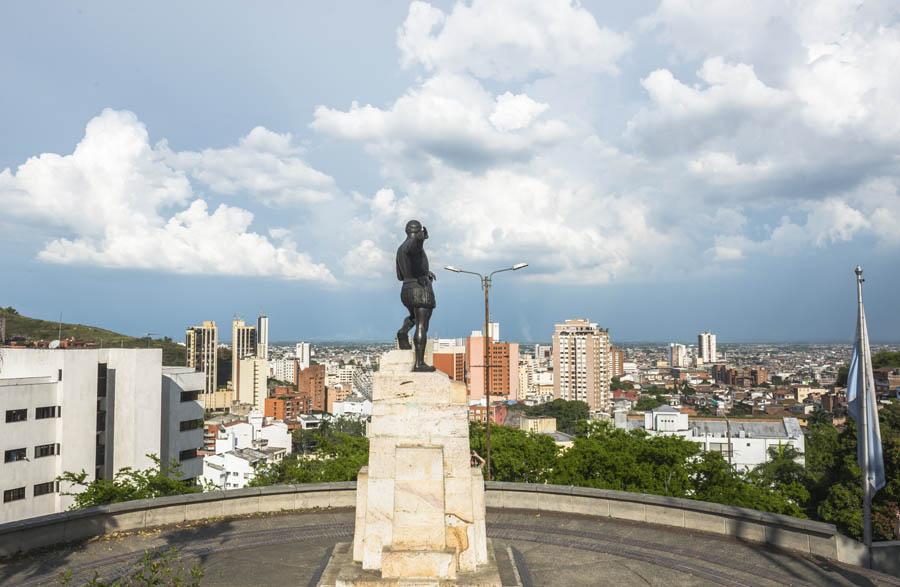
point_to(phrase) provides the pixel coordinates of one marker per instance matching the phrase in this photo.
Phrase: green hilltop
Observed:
(35, 329)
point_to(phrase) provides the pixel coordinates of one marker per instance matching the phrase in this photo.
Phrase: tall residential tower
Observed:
(581, 363)
(706, 347)
(201, 342)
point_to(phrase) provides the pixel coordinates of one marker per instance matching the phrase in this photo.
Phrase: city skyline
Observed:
(623, 163)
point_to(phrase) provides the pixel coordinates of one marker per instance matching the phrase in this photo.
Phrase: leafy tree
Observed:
(328, 455)
(648, 402)
(714, 479)
(885, 359)
(567, 413)
(157, 481)
(617, 384)
(835, 476)
(516, 455)
(784, 472)
(609, 458)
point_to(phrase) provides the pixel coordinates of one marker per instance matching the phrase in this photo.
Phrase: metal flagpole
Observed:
(862, 386)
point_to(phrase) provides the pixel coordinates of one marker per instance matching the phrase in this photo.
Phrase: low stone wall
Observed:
(73, 526)
(805, 536)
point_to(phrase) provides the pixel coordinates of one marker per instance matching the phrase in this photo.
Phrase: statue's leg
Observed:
(422, 317)
(403, 333)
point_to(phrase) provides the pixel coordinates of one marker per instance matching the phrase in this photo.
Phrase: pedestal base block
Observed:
(342, 571)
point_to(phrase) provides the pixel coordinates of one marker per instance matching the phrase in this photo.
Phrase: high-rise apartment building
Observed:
(311, 386)
(302, 352)
(93, 410)
(243, 344)
(252, 382)
(678, 355)
(581, 363)
(449, 356)
(202, 342)
(616, 362)
(706, 347)
(262, 337)
(504, 368)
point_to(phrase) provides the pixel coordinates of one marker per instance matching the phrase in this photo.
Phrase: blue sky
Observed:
(665, 168)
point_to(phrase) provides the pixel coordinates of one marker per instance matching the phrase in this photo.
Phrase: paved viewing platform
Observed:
(533, 547)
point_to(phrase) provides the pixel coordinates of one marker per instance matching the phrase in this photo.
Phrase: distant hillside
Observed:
(34, 329)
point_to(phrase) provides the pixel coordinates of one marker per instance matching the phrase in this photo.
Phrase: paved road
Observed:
(532, 549)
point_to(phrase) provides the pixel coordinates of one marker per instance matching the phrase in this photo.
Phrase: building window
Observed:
(45, 488)
(16, 454)
(101, 380)
(189, 396)
(47, 412)
(188, 454)
(16, 416)
(46, 450)
(13, 494)
(190, 425)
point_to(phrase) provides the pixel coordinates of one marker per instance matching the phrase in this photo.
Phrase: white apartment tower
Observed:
(706, 347)
(677, 355)
(243, 344)
(302, 353)
(262, 337)
(202, 342)
(96, 410)
(581, 363)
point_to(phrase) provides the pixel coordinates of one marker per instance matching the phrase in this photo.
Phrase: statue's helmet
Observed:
(413, 226)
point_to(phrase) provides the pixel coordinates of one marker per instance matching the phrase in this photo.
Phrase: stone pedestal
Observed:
(419, 503)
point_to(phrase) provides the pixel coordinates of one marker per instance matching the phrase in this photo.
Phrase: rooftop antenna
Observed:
(59, 331)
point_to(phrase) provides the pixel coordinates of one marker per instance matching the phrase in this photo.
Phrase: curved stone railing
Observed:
(805, 536)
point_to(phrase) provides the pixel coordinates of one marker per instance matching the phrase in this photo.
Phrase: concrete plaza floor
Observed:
(531, 549)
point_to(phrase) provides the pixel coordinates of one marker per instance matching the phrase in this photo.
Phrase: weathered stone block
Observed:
(241, 505)
(787, 538)
(745, 530)
(161, 516)
(418, 564)
(627, 510)
(590, 506)
(703, 522)
(523, 500)
(310, 500)
(276, 502)
(663, 515)
(823, 546)
(554, 502)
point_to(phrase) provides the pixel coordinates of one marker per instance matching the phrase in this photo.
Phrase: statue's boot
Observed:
(403, 335)
(421, 367)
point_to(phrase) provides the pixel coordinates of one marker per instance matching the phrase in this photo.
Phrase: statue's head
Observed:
(413, 227)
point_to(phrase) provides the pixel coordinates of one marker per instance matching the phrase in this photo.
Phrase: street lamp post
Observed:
(486, 287)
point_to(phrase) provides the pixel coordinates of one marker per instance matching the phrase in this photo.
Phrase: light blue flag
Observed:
(861, 383)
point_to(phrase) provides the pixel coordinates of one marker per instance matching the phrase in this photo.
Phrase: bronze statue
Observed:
(417, 294)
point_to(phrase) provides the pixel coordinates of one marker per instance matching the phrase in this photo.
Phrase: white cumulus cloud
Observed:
(119, 203)
(509, 39)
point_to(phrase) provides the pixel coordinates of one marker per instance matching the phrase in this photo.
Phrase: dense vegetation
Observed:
(35, 329)
(568, 414)
(160, 480)
(334, 452)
